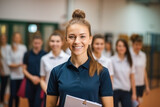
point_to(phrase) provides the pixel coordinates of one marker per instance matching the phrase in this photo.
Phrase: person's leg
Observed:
(37, 100)
(4, 81)
(18, 83)
(140, 91)
(31, 102)
(12, 92)
(116, 96)
(30, 93)
(126, 99)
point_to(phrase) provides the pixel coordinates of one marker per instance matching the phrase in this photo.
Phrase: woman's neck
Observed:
(56, 53)
(121, 56)
(136, 52)
(79, 60)
(108, 50)
(97, 55)
(36, 51)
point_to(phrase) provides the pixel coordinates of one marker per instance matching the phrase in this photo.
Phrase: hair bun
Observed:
(78, 14)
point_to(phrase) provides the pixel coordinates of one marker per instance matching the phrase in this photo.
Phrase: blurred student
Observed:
(32, 71)
(5, 72)
(139, 59)
(98, 43)
(55, 57)
(81, 76)
(108, 51)
(123, 79)
(15, 63)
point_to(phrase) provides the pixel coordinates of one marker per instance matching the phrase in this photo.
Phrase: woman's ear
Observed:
(90, 40)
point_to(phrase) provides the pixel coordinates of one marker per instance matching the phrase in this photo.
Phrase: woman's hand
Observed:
(134, 97)
(35, 80)
(147, 90)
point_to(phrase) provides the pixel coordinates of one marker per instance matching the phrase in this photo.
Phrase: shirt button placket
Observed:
(78, 74)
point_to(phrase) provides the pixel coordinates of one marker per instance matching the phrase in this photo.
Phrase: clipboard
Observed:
(72, 101)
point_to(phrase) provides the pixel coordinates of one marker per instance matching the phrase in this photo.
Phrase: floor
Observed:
(151, 100)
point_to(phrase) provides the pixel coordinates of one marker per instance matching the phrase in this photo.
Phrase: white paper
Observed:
(71, 101)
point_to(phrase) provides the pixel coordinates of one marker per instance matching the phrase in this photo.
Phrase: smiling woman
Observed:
(81, 76)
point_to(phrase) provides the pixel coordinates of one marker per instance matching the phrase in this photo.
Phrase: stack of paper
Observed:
(78, 102)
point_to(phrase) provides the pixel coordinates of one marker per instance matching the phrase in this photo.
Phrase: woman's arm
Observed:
(51, 101)
(107, 101)
(15, 65)
(35, 79)
(134, 97)
(146, 82)
(43, 84)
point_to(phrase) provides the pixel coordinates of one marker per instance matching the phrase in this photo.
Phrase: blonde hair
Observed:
(78, 17)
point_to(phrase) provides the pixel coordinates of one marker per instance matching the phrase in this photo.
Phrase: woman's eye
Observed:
(71, 37)
(82, 36)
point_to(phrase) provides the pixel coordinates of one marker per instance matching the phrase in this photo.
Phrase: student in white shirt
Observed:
(108, 51)
(123, 80)
(98, 43)
(15, 63)
(139, 59)
(5, 72)
(55, 57)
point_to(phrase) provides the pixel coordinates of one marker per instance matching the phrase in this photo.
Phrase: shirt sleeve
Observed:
(133, 69)
(105, 84)
(9, 58)
(25, 59)
(42, 68)
(110, 68)
(52, 88)
(145, 60)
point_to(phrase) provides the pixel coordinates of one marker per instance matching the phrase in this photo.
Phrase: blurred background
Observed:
(113, 18)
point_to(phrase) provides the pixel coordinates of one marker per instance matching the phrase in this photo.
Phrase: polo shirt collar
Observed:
(100, 59)
(85, 65)
(51, 55)
(36, 54)
(133, 53)
(118, 59)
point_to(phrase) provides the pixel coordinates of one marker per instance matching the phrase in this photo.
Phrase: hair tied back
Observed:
(78, 14)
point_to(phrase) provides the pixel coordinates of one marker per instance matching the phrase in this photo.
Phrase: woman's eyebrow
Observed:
(82, 33)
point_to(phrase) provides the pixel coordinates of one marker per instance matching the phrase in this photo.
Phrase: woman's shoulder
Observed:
(104, 71)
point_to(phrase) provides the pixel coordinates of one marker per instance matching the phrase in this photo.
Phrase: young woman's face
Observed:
(107, 46)
(121, 49)
(3, 39)
(37, 44)
(17, 38)
(137, 46)
(98, 45)
(78, 39)
(55, 43)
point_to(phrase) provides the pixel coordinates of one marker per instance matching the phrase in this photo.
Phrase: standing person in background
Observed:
(98, 43)
(108, 51)
(15, 63)
(32, 71)
(81, 76)
(5, 72)
(139, 59)
(123, 79)
(55, 57)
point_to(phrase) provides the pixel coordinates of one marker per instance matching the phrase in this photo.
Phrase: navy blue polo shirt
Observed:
(32, 61)
(67, 79)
